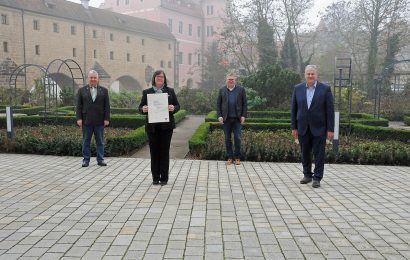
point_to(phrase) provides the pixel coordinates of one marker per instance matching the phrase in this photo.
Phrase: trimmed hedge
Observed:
(199, 143)
(407, 120)
(284, 117)
(279, 146)
(115, 146)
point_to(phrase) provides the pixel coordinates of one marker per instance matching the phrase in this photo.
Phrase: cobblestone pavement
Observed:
(51, 208)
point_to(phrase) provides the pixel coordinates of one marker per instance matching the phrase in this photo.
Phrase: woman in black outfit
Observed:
(159, 134)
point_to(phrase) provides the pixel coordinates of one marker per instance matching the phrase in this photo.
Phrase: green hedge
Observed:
(279, 146)
(198, 144)
(407, 120)
(25, 110)
(283, 117)
(71, 145)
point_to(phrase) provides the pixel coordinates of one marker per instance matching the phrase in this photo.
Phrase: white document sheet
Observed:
(158, 108)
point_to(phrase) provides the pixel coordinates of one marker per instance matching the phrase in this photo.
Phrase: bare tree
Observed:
(294, 12)
(238, 40)
(376, 16)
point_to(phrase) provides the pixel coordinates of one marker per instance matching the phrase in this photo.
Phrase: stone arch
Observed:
(63, 80)
(126, 83)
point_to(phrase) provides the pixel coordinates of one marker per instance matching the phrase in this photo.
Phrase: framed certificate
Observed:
(158, 108)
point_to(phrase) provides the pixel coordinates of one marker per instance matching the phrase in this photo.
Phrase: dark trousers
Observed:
(159, 143)
(232, 124)
(315, 144)
(88, 131)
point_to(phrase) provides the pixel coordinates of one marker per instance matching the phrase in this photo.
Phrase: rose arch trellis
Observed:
(50, 85)
(381, 79)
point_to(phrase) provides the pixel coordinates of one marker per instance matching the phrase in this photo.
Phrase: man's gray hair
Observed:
(93, 72)
(231, 74)
(311, 67)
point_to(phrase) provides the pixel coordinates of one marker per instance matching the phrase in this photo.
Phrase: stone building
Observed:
(123, 49)
(194, 23)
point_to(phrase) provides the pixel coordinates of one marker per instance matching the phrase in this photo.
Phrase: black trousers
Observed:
(316, 144)
(159, 143)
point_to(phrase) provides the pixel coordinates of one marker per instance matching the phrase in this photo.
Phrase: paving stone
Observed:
(51, 210)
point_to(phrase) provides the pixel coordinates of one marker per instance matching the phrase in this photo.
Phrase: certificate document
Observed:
(158, 108)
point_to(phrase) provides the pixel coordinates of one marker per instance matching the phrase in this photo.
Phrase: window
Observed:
(128, 57)
(95, 54)
(199, 59)
(209, 31)
(199, 31)
(190, 30)
(36, 25)
(4, 19)
(190, 58)
(74, 52)
(73, 29)
(162, 64)
(142, 42)
(169, 64)
(169, 46)
(111, 55)
(209, 10)
(94, 34)
(170, 24)
(128, 39)
(118, 2)
(180, 27)
(37, 49)
(111, 37)
(5, 47)
(55, 27)
(127, 2)
(180, 57)
(142, 58)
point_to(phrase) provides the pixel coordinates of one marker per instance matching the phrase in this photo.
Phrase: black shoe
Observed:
(316, 184)
(85, 164)
(102, 163)
(163, 183)
(305, 180)
(155, 183)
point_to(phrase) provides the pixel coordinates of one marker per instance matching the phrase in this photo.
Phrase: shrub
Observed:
(279, 146)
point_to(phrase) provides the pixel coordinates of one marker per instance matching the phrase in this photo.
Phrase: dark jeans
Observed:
(232, 124)
(159, 143)
(88, 131)
(315, 144)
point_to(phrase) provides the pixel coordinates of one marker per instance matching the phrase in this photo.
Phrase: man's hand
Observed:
(330, 136)
(295, 134)
(80, 123)
(145, 109)
(242, 120)
(221, 120)
(106, 122)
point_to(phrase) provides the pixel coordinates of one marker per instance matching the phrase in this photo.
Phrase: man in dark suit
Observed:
(312, 122)
(93, 114)
(232, 111)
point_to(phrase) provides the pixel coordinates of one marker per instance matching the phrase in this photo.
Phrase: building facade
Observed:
(194, 23)
(123, 49)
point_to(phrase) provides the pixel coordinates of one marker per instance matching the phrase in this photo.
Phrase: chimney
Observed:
(85, 3)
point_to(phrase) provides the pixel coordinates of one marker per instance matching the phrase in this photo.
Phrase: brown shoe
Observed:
(229, 162)
(237, 161)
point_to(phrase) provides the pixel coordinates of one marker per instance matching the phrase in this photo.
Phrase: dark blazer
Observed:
(319, 117)
(93, 113)
(172, 100)
(241, 103)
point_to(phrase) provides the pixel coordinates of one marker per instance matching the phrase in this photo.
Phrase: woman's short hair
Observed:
(157, 72)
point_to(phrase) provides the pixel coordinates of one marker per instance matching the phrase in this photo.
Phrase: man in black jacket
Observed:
(93, 114)
(232, 110)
